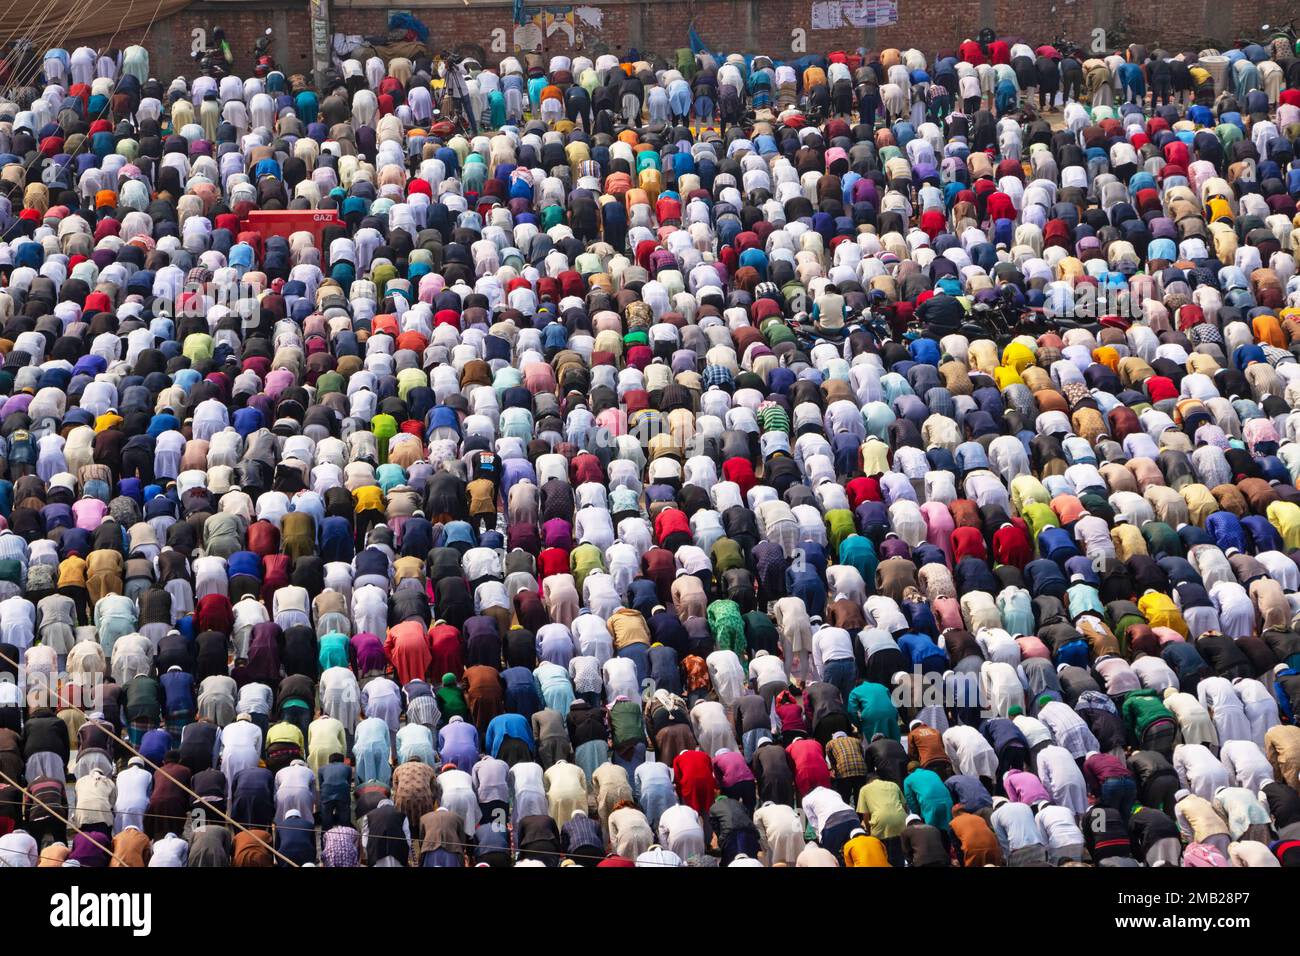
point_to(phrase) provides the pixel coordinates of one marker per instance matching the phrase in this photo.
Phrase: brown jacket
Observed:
(894, 576)
(1282, 748)
(925, 746)
(440, 830)
(979, 844)
(133, 847)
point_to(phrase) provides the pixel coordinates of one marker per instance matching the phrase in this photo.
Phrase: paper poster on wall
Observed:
(557, 28)
(826, 15)
(870, 13)
(592, 17)
(862, 14)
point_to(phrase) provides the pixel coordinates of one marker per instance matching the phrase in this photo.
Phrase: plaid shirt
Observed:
(844, 754)
(718, 375)
(340, 847)
(770, 564)
(582, 833)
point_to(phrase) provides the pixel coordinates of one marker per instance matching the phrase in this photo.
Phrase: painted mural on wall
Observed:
(557, 28)
(862, 14)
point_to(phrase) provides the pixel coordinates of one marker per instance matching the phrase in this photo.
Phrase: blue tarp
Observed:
(404, 21)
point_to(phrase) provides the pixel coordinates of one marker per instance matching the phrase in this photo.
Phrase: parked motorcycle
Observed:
(215, 61)
(1283, 42)
(1065, 47)
(264, 61)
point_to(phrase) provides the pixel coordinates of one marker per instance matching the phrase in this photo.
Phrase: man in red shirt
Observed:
(1011, 546)
(968, 543)
(810, 770)
(672, 528)
(696, 786)
(971, 52)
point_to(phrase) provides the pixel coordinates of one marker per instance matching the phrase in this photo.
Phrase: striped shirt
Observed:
(13, 547)
(423, 710)
(772, 417)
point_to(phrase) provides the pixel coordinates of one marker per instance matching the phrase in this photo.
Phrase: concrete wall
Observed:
(768, 26)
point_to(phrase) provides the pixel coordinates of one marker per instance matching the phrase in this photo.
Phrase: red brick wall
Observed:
(169, 41)
(661, 25)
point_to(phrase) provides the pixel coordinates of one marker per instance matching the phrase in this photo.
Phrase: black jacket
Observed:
(45, 733)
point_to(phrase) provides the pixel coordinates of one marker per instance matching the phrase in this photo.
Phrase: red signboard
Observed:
(284, 222)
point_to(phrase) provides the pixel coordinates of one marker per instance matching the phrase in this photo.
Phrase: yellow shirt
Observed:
(1160, 611)
(1026, 489)
(106, 421)
(1200, 503)
(1128, 541)
(865, 851)
(875, 457)
(284, 733)
(1017, 356)
(1005, 376)
(197, 347)
(368, 498)
(72, 572)
(627, 627)
(1285, 516)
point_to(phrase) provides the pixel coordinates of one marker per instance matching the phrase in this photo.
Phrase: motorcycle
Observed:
(264, 62)
(1002, 320)
(211, 63)
(807, 335)
(215, 61)
(1064, 47)
(1283, 42)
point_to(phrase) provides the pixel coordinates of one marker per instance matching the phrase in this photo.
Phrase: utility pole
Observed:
(868, 39)
(320, 39)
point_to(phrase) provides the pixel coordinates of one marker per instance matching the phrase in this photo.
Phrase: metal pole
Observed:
(320, 39)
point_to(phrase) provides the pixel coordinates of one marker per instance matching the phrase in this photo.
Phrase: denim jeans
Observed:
(1119, 793)
(841, 673)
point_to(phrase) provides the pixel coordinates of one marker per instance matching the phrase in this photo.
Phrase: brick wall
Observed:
(766, 25)
(169, 41)
(662, 25)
